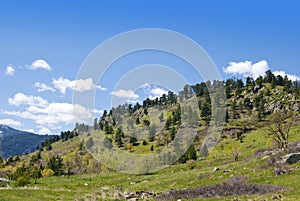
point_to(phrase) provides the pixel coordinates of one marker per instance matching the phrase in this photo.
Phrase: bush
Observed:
(22, 181)
(3, 184)
(47, 173)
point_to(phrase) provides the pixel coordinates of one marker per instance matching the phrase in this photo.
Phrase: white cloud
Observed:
(44, 131)
(126, 94)
(10, 122)
(43, 87)
(158, 92)
(100, 88)
(153, 91)
(283, 74)
(79, 85)
(22, 99)
(50, 115)
(62, 84)
(246, 68)
(40, 63)
(29, 130)
(100, 112)
(10, 70)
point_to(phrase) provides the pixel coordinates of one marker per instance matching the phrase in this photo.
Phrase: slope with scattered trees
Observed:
(250, 106)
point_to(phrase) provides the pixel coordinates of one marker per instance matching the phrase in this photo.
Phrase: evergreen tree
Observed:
(205, 110)
(168, 123)
(152, 148)
(172, 133)
(146, 122)
(269, 77)
(133, 139)
(248, 104)
(55, 164)
(280, 80)
(118, 137)
(190, 154)
(228, 92)
(249, 81)
(35, 173)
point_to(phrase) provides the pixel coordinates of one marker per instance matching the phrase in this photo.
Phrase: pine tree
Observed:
(172, 133)
(118, 137)
(137, 121)
(55, 164)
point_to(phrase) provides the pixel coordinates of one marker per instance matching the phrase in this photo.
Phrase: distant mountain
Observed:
(13, 141)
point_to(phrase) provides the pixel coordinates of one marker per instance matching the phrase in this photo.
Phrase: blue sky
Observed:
(44, 43)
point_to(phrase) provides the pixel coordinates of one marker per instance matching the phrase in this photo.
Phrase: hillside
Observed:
(248, 159)
(253, 167)
(15, 142)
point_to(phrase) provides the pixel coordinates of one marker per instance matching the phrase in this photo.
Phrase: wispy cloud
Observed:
(10, 122)
(40, 63)
(80, 85)
(10, 70)
(43, 87)
(126, 94)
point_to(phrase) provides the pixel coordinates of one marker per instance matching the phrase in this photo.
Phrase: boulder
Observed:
(265, 157)
(128, 195)
(291, 158)
(216, 169)
(279, 171)
(4, 180)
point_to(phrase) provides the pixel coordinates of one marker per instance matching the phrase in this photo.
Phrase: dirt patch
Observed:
(232, 187)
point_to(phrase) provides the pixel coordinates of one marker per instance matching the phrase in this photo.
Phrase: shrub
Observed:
(22, 181)
(3, 184)
(47, 173)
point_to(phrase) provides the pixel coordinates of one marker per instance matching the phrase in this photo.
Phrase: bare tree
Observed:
(279, 129)
(236, 153)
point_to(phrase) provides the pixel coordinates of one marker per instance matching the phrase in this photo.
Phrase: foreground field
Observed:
(108, 186)
(251, 168)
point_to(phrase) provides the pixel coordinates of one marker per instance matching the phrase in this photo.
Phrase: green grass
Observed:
(174, 177)
(103, 186)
